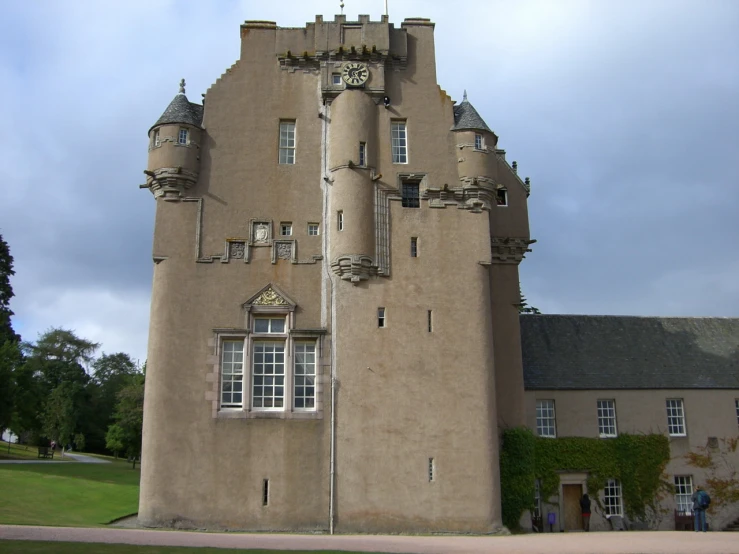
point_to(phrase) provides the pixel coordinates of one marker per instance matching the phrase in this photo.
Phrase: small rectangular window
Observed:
(607, 418)
(546, 422)
(182, 139)
(684, 493)
(414, 247)
(362, 154)
(286, 229)
(381, 317)
(501, 197)
(269, 325)
(265, 492)
(313, 229)
(430, 321)
(399, 142)
(737, 410)
(675, 417)
(157, 140)
(432, 470)
(478, 141)
(410, 196)
(336, 79)
(287, 142)
(340, 220)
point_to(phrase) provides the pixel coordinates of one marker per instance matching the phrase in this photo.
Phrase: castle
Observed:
(335, 338)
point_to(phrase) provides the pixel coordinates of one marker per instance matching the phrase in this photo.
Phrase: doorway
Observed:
(572, 519)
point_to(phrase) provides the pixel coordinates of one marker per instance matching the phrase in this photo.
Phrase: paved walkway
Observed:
(76, 457)
(668, 542)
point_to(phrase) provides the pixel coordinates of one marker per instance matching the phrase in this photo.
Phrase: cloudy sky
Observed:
(625, 114)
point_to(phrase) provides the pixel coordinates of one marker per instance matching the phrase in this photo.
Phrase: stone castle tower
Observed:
(334, 338)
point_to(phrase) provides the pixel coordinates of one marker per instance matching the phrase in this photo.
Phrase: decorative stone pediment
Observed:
(270, 297)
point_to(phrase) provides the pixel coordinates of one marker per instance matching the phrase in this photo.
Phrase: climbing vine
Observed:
(637, 461)
(722, 474)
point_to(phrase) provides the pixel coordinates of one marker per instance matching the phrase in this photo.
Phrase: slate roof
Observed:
(466, 118)
(181, 110)
(573, 352)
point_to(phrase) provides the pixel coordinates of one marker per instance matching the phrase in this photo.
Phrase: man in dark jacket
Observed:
(701, 500)
(585, 505)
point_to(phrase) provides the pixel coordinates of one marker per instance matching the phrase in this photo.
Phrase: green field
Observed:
(23, 452)
(69, 494)
(39, 547)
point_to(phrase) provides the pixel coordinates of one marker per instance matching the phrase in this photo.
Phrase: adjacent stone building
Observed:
(334, 336)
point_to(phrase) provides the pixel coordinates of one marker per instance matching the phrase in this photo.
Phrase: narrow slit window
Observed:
(432, 470)
(340, 220)
(430, 320)
(157, 140)
(362, 154)
(265, 493)
(381, 317)
(414, 247)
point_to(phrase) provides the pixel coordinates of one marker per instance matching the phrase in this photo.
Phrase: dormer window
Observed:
(182, 138)
(478, 141)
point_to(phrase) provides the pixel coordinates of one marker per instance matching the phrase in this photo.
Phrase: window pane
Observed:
(232, 371)
(305, 368)
(268, 377)
(410, 195)
(278, 325)
(545, 418)
(287, 142)
(398, 142)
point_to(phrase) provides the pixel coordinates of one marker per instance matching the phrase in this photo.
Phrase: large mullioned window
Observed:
(612, 504)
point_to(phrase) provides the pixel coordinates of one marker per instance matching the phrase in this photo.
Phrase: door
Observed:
(571, 495)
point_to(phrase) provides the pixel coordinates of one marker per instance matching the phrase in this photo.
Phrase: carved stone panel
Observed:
(236, 250)
(260, 232)
(269, 297)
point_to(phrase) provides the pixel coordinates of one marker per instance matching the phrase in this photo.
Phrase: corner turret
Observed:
(174, 149)
(476, 143)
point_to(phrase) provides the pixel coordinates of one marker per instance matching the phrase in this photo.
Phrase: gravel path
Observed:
(669, 542)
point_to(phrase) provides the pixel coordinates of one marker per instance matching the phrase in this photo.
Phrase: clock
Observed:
(355, 74)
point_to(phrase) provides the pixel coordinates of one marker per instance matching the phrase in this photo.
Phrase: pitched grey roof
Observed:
(467, 118)
(181, 110)
(618, 352)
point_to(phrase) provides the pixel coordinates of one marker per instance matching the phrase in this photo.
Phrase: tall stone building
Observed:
(334, 335)
(335, 340)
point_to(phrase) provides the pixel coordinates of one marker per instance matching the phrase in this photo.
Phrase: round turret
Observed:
(475, 143)
(174, 149)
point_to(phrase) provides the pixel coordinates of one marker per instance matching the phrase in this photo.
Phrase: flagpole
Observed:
(386, 14)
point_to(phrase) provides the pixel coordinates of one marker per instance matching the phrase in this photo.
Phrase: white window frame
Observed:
(286, 229)
(231, 358)
(157, 140)
(336, 80)
(684, 493)
(505, 197)
(479, 143)
(287, 142)
(381, 318)
(314, 229)
(183, 137)
(612, 498)
(273, 325)
(607, 418)
(399, 141)
(676, 417)
(546, 418)
(414, 247)
(272, 384)
(304, 381)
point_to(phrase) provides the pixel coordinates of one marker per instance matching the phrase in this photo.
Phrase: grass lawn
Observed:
(23, 452)
(69, 494)
(39, 547)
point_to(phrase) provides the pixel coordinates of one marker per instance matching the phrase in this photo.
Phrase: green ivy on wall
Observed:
(637, 461)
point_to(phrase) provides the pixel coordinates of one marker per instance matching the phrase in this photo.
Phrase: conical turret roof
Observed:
(466, 118)
(181, 110)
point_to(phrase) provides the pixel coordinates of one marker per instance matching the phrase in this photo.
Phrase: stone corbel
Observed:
(509, 250)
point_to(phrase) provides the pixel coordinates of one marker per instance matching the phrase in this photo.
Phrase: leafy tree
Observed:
(115, 439)
(6, 293)
(129, 415)
(79, 441)
(10, 361)
(60, 415)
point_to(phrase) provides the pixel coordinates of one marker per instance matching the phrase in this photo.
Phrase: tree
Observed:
(523, 306)
(115, 439)
(6, 293)
(129, 415)
(60, 415)
(10, 361)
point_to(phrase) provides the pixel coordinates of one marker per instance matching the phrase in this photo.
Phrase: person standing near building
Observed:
(585, 506)
(701, 501)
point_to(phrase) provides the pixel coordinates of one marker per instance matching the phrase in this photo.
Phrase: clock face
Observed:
(355, 73)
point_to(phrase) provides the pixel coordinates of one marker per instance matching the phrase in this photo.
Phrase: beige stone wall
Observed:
(708, 413)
